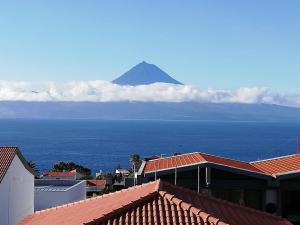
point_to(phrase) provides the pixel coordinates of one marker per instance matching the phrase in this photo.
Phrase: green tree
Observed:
(69, 166)
(33, 166)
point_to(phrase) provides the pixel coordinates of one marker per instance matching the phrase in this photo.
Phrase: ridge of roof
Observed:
(223, 157)
(172, 156)
(275, 158)
(238, 168)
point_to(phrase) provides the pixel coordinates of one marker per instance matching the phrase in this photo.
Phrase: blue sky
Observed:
(218, 44)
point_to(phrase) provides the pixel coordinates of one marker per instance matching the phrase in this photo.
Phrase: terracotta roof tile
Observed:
(100, 183)
(230, 162)
(60, 174)
(153, 203)
(172, 162)
(280, 165)
(195, 158)
(7, 155)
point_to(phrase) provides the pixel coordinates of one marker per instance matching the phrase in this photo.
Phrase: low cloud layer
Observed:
(103, 91)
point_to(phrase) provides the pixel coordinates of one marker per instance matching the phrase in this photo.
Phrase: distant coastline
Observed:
(195, 111)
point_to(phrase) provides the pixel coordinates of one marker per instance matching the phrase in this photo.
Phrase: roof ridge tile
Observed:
(172, 156)
(275, 158)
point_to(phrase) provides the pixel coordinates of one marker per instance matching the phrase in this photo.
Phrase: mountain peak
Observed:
(144, 73)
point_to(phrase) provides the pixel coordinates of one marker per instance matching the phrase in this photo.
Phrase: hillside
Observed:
(154, 110)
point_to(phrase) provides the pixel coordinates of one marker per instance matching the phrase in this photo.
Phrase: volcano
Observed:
(144, 73)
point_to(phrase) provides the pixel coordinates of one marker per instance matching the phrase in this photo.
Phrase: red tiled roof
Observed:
(195, 158)
(7, 155)
(100, 183)
(280, 165)
(230, 162)
(153, 203)
(60, 174)
(172, 162)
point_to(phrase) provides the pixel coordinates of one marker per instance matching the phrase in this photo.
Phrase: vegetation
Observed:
(69, 166)
(135, 161)
(33, 166)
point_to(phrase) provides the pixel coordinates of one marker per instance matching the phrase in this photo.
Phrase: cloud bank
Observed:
(103, 91)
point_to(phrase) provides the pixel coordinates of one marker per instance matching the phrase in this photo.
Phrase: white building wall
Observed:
(59, 178)
(44, 199)
(16, 193)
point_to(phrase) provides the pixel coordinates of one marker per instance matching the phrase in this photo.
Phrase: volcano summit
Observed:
(144, 73)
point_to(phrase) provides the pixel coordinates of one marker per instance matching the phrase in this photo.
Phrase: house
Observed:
(55, 192)
(95, 185)
(65, 175)
(156, 202)
(272, 185)
(16, 186)
(123, 172)
(284, 190)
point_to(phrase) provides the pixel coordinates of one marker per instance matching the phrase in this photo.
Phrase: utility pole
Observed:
(175, 182)
(298, 143)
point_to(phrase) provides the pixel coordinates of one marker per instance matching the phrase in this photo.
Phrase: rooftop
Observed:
(95, 182)
(7, 154)
(194, 159)
(153, 203)
(60, 174)
(280, 165)
(54, 185)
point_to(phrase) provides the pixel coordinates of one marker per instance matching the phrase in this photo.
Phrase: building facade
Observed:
(16, 186)
(51, 193)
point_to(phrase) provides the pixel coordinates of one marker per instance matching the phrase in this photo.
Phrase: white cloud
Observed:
(103, 91)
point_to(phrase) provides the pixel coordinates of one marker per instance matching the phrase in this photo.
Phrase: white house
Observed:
(16, 186)
(123, 172)
(51, 193)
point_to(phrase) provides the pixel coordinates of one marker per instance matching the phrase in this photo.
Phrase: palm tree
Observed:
(135, 160)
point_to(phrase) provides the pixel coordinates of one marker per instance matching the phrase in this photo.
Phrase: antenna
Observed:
(298, 143)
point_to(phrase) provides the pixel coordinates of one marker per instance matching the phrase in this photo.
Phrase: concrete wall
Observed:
(16, 193)
(44, 199)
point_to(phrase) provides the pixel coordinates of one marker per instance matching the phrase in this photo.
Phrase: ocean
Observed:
(104, 144)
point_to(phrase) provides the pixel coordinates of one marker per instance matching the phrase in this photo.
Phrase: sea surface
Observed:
(104, 144)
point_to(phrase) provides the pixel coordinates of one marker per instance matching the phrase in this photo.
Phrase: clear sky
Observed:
(218, 44)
